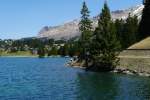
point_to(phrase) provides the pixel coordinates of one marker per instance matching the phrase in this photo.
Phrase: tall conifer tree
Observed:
(119, 24)
(130, 31)
(144, 28)
(105, 46)
(85, 27)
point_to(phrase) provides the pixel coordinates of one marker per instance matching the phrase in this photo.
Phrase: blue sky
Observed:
(24, 18)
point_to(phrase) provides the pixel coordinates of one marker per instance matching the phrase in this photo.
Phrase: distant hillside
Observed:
(70, 29)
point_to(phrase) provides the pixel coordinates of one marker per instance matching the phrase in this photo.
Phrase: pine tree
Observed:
(144, 29)
(53, 51)
(41, 52)
(64, 50)
(74, 49)
(85, 27)
(127, 31)
(130, 31)
(119, 24)
(105, 46)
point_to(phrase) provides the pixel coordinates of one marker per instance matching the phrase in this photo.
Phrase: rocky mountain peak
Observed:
(71, 29)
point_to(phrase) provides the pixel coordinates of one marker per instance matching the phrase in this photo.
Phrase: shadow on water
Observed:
(95, 86)
(109, 86)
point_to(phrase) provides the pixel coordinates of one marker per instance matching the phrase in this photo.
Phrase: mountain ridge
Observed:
(70, 29)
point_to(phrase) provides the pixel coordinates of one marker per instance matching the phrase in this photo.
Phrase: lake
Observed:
(50, 79)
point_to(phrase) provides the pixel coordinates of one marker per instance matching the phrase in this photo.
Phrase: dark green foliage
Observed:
(119, 24)
(1, 52)
(13, 50)
(85, 27)
(41, 52)
(53, 51)
(105, 46)
(71, 48)
(127, 31)
(74, 49)
(131, 31)
(144, 28)
(63, 51)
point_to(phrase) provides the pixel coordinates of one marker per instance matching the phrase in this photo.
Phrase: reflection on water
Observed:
(49, 79)
(96, 86)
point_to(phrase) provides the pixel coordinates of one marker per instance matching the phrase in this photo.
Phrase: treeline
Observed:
(132, 29)
(69, 48)
(42, 47)
(144, 27)
(127, 31)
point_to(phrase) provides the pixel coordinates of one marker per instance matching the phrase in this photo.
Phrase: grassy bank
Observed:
(18, 54)
(136, 60)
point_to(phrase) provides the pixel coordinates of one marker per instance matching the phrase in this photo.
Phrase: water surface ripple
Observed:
(49, 79)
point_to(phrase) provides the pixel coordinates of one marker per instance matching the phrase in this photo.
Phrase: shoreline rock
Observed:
(73, 63)
(140, 71)
(119, 70)
(131, 72)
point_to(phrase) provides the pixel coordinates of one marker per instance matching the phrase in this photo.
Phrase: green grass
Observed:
(19, 53)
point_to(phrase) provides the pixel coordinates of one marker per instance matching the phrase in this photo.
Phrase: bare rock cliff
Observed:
(71, 29)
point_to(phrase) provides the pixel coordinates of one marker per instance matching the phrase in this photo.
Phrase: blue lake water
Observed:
(50, 79)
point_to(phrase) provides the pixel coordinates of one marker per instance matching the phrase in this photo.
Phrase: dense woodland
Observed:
(100, 46)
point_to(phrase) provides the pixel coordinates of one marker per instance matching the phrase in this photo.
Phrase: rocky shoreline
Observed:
(75, 64)
(131, 72)
(118, 69)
